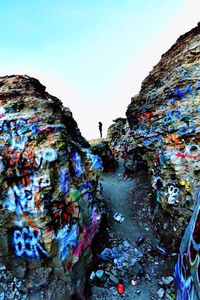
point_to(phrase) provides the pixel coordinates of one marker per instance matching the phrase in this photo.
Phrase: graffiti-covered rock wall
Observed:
(49, 190)
(117, 135)
(187, 270)
(117, 130)
(164, 121)
(102, 149)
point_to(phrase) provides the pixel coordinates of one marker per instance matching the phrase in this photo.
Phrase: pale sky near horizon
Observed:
(92, 54)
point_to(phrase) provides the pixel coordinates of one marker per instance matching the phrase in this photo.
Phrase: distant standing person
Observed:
(100, 129)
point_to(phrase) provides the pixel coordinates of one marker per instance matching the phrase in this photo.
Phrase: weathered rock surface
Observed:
(188, 284)
(117, 130)
(164, 121)
(49, 194)
(117, 136)
(103, 150)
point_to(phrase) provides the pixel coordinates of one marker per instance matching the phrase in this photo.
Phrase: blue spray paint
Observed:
(64, 181)
(78, 169)
(27, 242)
(67, 238)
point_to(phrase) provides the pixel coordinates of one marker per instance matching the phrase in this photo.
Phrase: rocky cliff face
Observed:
(49, 193)
(165, 124)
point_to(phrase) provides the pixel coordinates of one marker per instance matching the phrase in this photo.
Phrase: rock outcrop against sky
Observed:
(164, 118)
(48, 186)
(165, 122)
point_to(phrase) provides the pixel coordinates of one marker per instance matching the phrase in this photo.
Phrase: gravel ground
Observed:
(131, 197)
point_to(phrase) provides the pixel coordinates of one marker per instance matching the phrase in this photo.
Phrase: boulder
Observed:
(103, 150)
(117, 129)
(117, 137)
(164, 122)
(49, 203)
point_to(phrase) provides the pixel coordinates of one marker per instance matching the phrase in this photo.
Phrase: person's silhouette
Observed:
(100, 129)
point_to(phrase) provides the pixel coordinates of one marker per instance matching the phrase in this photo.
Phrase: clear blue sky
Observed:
(92, 54)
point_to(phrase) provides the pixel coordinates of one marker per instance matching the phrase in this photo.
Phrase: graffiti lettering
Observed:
(27, 242)
(45, 156)
(32, 180)
(20, 199)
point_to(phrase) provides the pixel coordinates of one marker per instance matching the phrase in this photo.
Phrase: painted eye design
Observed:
(192, 150)
(50, 155)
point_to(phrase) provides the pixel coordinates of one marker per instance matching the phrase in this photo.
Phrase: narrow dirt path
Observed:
(127, 198)
(118, 191)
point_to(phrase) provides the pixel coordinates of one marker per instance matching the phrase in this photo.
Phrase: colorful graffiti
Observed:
(64, 181)
(50, 192)
(187, 267)
(27, 242)
(170, 135)
(67, 237)
(20, 198)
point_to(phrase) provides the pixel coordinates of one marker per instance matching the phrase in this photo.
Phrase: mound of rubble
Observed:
(50, 195)
(164, 130)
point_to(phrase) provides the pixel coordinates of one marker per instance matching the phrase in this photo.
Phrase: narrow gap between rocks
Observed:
(129, 252)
